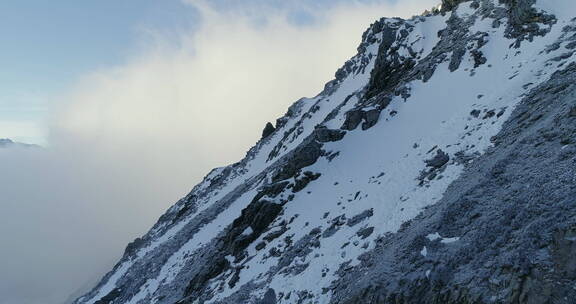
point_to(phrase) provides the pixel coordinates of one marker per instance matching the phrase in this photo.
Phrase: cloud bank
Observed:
(128, 141)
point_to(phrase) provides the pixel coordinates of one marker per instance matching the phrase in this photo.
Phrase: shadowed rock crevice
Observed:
(268, 130)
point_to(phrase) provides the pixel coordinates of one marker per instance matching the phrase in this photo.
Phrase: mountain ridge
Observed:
(358, 164)
(8, 143)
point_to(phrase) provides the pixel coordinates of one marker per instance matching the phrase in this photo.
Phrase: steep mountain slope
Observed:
(438, 167)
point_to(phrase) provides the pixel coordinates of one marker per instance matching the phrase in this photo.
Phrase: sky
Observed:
(134, 101)
(47, 45)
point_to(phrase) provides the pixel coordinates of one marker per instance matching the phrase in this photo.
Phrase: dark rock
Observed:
(110, 297)
(456, 59)
(274, 252)
(360, 217)
(353, 119)
(315, 231)
(563, 251)
(489, 114)
(328, 135)
(133, 247)
(371, 118)
(275, 234)
(366, 232)
(523, 20)
(335, 226)
(268, 130)
(260, 246)
(235, 278)
(389, 68)
(269, 297)
(206, 273)
(563, 56)
(303, 181)
(478, 57)
(439, 160)
(448, 5)
(571, 45)
(304, 155)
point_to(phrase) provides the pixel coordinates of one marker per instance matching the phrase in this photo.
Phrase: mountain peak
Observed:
(8, 143)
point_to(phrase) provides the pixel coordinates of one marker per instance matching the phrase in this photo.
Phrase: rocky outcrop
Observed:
(367, 118)
(439, 160)
(268, 130)
(448, 5)
(515, 223)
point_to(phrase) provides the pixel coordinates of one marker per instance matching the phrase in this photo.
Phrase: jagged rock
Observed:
(303, 156)
(456, 59)
(353, 119)
(489, 114)
(110, 297)
(439, 160)
(360, 217)
(275, 234)
(258, 215)
(479, 58)
(371, 118)
(389, 67)
(324, 135)
(448, 5)
(206, 273)
(269, 297)
(366, 232)
(303, 181)
(260, 246)
(268, 130)
(133, 247)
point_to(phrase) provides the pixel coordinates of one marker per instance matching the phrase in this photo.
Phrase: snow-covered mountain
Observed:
(8, 143)
(439, 166)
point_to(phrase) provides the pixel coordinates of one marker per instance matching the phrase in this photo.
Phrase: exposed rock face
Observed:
(448, 5)
(439, 160)
(437, 167)
(517, 224)
(268, 130)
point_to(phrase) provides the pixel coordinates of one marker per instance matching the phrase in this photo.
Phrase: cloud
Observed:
(127, 141)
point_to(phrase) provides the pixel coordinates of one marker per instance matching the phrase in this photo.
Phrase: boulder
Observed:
(268, 130)
(439, 160)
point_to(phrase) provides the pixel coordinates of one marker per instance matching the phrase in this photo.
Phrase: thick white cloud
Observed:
(127, 141)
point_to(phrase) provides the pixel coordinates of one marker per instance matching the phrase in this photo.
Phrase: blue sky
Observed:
(47, 45)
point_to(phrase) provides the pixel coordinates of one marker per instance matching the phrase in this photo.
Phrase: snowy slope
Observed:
(421, 101)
